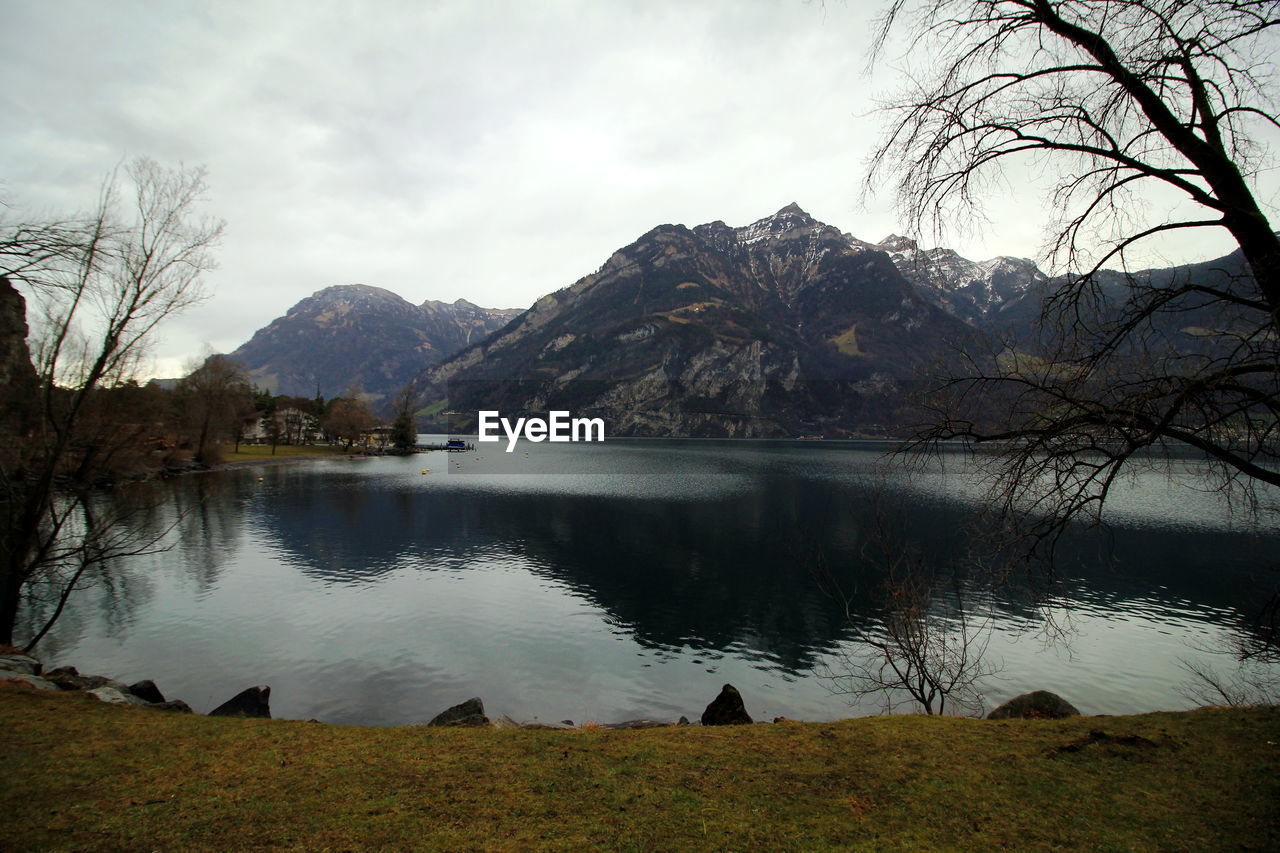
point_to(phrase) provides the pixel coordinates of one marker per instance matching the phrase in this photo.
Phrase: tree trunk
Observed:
(11, 584)
(9, 598)
(204, 439)
(21, 545)
(1261, 248)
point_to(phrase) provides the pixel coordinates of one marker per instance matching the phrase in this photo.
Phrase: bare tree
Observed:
(348, 418)
(928, 645)
(1116, 96)
(91, 533)
(100, 284)
(1253, 675)
(1245, 682)
(216, 397)
(245, 417)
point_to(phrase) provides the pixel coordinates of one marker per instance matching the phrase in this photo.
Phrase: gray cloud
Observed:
(492, 151)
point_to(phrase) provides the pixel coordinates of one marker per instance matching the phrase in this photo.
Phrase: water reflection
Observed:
(673, 572)
(507, 577)
(676, 570)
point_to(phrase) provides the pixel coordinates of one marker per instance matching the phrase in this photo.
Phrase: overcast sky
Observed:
(494, 151)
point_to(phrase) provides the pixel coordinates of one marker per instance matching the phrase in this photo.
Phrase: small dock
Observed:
(451, 446)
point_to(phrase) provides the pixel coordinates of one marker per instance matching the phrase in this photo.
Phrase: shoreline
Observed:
(728, 708)
(97, 776)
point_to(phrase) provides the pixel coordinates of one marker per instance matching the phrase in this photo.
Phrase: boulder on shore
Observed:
(538, 725)
(636, 724)
(147, 691)
(726, 709)
(176, 705)
(143, 694)
(468, 713)
(20, 663)
(254, 702)
(115, 696)
(67, 678)
(1038, 703)
(34, 680)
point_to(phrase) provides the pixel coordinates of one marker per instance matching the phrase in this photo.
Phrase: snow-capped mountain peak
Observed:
(896, 243)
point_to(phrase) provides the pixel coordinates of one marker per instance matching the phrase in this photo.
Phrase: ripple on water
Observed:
(630, 581)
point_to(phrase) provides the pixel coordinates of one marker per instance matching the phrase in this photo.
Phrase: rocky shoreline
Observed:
(18, 666)
(727, 709)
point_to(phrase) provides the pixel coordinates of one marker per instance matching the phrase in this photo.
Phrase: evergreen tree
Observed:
(404, 433)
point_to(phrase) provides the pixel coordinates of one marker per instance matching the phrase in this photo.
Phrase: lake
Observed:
(605, 582)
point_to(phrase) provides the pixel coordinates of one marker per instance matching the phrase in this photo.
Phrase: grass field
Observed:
(81, 775)
(261, 452)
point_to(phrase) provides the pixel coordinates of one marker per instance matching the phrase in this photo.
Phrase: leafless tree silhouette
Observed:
(1116, 97)
(926, 645)
(100, 284)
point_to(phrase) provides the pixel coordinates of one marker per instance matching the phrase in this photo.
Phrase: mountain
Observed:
(970, 290)
(785, 326)
(367, 335)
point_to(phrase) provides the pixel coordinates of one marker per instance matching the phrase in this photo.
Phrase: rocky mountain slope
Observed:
(783, 327)
(359, 334)
(973, 291)
(786, 326)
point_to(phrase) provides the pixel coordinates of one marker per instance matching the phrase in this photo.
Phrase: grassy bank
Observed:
(79, 775)
(262, 452)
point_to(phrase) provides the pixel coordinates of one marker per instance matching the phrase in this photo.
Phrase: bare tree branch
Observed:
(100, 284)
(1122, 366)
(928, 646)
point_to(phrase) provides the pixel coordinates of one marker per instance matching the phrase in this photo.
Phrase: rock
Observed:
(254, 702)
(552, 727)
(683, 721)
(34, 680)
(468, 713)
(175, 705)
(505, 722)
(726, 709)
(17, 376)
(635, 724)
(115, 697)
(67, 678)
(147, 691)
(20, 663)
(1040, 703)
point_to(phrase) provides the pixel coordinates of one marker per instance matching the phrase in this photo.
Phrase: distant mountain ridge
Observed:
(784, 326)
(972, 290)
(355, 333)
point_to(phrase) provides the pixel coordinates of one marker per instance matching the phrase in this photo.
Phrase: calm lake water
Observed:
(620, 580)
